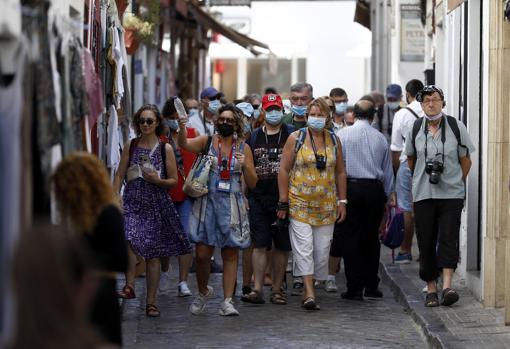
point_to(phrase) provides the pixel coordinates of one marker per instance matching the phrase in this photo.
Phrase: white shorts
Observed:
(310, 248)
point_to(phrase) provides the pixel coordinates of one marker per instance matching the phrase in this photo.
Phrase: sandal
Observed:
(278, 299)
(152, 311)
(449, 297)
(431, 300)
(254, 297)
(309, 304)
(127, 292)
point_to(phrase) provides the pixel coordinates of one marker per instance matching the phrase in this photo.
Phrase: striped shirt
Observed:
(366, 154)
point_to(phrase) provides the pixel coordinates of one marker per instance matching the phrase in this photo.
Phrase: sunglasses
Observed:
(222, 120)
(148, 122)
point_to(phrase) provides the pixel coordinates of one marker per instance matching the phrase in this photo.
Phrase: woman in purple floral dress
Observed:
(152, 226)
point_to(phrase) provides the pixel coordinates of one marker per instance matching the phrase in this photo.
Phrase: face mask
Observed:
(256, 113)
(173, 125)
(225, 130)
(315, 123)
(340, 108)
(433, 117)
(393, 105)
(274, 117)
(299, 110)
(214, 106)
(193, 112)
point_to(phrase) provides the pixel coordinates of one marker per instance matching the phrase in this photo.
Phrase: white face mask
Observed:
(433, 117)
(393, 105)
(316, 123)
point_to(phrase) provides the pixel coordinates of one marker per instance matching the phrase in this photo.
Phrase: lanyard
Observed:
(279, 136)
(315, 148)
(226, 167)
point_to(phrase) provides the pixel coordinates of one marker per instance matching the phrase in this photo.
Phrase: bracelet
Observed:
(282, 206)
(344, 201)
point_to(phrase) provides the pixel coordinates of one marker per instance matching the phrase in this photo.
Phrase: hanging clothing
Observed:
(113, 146)
(93, 88)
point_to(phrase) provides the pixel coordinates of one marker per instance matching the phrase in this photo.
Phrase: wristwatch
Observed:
(344, 201)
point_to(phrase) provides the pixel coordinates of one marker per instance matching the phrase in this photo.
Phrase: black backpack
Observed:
(452, 122)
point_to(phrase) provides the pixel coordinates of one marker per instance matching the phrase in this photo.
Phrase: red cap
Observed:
(270, 100)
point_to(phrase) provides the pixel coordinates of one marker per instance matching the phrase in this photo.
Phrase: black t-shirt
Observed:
(267, 153)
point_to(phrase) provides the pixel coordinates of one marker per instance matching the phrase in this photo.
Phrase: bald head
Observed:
(364, 109)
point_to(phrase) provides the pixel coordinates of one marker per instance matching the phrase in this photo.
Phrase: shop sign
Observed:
(412, 34)
(230, 3)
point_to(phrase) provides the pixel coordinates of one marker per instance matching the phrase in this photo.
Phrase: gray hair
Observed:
(300, 86)
(251, 97)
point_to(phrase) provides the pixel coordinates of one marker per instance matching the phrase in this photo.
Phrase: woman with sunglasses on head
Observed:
(152, 226)
(219, 218)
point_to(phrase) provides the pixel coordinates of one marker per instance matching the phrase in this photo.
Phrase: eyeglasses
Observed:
(300, 98)
(432, 100)
(222, 120)
(148, 122)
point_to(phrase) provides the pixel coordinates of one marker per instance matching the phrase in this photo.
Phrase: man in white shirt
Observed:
(210, 103)
(402, 124)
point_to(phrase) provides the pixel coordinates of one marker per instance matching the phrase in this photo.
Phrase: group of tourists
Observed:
(310, 181)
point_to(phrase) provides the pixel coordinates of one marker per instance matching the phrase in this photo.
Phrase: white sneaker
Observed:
(331, 286)
(183, 289)
(164, 282)
(227, 308)
(198, 304)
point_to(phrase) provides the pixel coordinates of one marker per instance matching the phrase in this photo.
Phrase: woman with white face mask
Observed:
(312, 188)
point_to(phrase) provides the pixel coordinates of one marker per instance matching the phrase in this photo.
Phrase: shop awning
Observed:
(362, 13)
(205, 19)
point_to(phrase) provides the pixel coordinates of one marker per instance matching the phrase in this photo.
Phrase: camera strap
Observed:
(315, 148)
(279, 137)
(443, 138)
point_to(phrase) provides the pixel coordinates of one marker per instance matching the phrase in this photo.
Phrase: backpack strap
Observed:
(334, 139)
(452, 122)
(300, 140)
(416, 128)
(412, 112)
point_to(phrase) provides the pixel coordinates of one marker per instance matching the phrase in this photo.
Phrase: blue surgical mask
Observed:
(173, 125)
(393, 105)
(193, 112)
(316, 123)
(274, 117)
(214, 106)
(341, 107)
(299, 110)
(256, 113)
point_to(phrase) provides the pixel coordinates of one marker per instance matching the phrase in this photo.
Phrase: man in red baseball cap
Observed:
(267, 143)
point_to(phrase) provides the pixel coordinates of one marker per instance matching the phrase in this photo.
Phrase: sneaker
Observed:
(183, 289)
(331, 286)
(403, 258)
(297, 286)
(164, 282)
(227, 308)
(216, 268)
(198, 304)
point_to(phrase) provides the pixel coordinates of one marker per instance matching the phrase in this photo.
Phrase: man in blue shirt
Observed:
(369, 184)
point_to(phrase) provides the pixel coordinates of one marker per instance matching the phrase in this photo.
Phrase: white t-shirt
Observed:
(197, 123)
(402, 124)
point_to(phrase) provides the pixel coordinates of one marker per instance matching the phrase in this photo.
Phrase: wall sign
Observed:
(230, 3)
(412, 34)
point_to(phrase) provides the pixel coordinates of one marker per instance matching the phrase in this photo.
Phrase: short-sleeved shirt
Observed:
(451, 184)
(267, 169)
(312, 192)
(402, 123)
(203, 127)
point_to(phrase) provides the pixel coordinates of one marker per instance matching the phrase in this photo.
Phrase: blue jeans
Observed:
(184, 210)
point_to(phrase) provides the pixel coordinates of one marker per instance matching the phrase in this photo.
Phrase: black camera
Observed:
(434, 170)
(272, 154)
(320, 162)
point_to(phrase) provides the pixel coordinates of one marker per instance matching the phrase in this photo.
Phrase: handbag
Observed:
(197, 181)
(392, 234)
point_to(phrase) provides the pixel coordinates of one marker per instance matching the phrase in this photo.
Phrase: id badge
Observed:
(224, 186)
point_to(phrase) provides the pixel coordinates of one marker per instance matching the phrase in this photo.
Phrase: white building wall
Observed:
(323, 32)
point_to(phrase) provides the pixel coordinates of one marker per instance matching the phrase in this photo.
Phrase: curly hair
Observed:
(153, 108)
(238, 117)
(82, 189)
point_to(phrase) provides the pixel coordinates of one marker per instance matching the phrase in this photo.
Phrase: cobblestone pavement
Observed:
(379, 323)
(466, 324)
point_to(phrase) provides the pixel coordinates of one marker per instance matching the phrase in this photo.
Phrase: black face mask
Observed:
(225, 130)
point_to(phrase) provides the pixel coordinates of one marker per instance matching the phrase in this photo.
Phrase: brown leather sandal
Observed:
(127, 292)
(152, 311)
(278, 299)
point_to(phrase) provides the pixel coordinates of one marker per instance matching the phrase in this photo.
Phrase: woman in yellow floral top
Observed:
(312, 183)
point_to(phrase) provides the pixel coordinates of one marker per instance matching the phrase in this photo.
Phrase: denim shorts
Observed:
(184, 210)
(403, 187)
